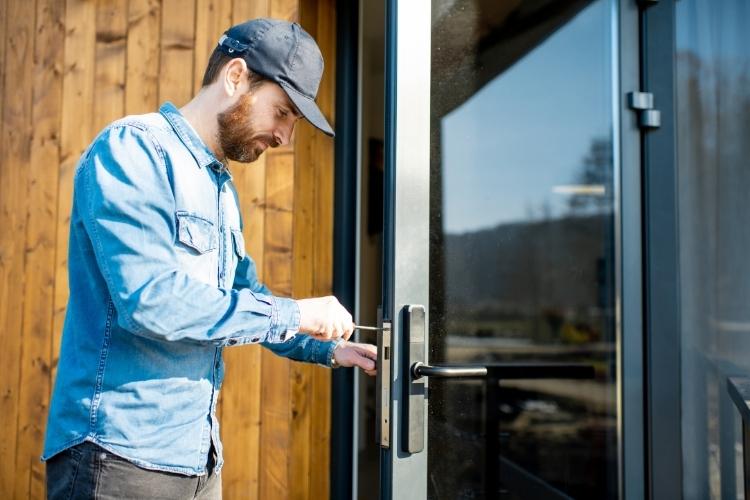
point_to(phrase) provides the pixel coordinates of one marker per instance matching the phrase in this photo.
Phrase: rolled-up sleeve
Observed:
(124, 192)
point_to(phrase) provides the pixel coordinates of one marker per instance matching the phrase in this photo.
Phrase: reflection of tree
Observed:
(596, 173)
(713, 124)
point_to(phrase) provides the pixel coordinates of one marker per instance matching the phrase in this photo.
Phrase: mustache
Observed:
(268, 139)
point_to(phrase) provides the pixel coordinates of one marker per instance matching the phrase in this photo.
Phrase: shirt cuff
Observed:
(330, 347)
(284, 319)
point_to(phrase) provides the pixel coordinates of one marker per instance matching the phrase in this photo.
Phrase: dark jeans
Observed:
(87, 471)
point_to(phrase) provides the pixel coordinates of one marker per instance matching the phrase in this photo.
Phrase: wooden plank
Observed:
(246, 10)
(303, 252)
(278, 225)
(301, 432)
(276, 393)
(15, 156)
(213, 17)
(280, 183)
(321, 23)
(305, 235)
(76, 133)
(177, 51)
(109, 72)
(3, 28)
(240, 422)
(36, 358)
(285, 9)
(142, 69)
(320, 442)
(323, 150)
(274, 436)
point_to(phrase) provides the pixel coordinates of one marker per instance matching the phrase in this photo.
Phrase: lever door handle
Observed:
(505, 371)
(419, 370)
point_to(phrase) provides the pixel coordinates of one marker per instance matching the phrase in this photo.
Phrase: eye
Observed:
(283, 112)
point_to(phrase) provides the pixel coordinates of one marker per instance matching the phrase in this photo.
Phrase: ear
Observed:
(233, 75)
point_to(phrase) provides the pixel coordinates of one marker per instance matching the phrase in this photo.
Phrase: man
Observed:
(160, 282)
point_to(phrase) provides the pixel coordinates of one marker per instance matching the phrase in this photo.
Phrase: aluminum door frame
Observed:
(406, 246)
(406, 232)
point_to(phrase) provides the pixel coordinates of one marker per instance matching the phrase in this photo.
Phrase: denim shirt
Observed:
(159, 284)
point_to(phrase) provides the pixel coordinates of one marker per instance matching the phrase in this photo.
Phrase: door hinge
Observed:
(643, 104)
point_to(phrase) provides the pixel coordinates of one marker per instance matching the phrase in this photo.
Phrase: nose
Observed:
(283, 134)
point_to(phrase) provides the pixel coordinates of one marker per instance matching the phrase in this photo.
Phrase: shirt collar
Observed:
(187, 135)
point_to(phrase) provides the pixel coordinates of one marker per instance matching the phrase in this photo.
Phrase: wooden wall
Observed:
(67, 68)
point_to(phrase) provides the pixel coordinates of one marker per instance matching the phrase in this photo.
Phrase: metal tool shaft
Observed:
(369, 328)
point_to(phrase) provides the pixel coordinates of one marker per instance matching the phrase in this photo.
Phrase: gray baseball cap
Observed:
(284, 53)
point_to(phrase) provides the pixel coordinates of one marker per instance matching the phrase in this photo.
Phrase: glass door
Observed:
(502, 285)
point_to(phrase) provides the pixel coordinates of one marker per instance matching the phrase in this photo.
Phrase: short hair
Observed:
(216, 63)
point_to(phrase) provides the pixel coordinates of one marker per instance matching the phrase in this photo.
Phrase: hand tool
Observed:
(369, 328)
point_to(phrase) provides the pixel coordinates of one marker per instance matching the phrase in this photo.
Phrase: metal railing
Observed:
(739, 391)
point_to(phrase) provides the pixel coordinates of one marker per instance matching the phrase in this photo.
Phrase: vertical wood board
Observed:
(142, 66)
(15, 156)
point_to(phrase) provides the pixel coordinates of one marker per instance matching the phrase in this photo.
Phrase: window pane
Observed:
(522, 247)
(713, 119)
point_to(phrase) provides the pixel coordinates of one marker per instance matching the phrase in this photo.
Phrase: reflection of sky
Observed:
(529, 128)
(710, 29)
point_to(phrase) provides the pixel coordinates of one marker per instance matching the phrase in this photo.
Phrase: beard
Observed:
(237, 138)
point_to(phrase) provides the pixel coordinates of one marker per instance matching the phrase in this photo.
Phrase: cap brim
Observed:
(309, 109)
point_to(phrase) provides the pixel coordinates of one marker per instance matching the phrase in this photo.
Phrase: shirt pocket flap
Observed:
(239, 243)
(196, 232)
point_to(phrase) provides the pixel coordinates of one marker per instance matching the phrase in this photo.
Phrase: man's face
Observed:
(261, 118)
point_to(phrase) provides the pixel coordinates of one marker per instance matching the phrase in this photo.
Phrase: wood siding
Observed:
(67, 68)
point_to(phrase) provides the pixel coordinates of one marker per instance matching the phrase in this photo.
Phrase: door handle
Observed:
(419, 370)
(415, 363)
(505, 371)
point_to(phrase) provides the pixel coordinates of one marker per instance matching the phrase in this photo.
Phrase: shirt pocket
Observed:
(196, 232)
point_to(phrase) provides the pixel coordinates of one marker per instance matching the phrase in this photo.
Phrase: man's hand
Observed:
(324, 318)
(349, 354)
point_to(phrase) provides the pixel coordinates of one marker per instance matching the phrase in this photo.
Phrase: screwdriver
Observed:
(369, 328)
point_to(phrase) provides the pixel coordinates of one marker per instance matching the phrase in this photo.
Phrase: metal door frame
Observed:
(663, 398)
(406, 274)
(407, 209)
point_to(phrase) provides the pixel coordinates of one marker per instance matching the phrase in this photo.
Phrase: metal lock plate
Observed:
(383, 385)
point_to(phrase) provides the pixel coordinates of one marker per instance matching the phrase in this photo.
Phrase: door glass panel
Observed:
(712, 70)
(522, 247)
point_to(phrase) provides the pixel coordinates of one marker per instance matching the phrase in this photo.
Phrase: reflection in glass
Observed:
(522, 246)
(713, 127)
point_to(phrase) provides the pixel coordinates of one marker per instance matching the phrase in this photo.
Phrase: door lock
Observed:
(383, 383)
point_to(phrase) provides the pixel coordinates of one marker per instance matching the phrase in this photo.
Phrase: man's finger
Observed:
(370, 351)
(367, 350)
(338, 329)
(348, 330)
(365, 363)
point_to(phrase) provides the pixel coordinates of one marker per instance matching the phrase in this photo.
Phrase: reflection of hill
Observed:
(525, 267)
